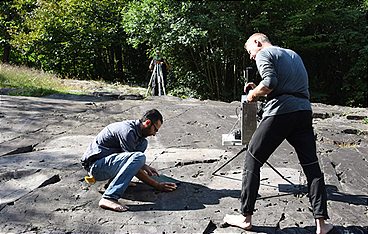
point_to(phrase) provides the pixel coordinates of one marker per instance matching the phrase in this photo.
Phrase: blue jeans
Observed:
(121, 168)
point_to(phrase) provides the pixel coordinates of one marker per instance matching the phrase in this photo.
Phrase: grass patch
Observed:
(22, 81)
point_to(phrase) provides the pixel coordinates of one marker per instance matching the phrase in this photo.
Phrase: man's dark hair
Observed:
(153, 115)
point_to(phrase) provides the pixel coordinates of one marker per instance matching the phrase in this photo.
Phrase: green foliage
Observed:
(75, 38)
(202, 40)
(331, 37)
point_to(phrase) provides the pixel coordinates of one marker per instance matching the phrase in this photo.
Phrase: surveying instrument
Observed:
(248, 125)
(247, 118)
(157, 82)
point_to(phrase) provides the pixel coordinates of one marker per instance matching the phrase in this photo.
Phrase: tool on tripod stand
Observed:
(248, 120)
(248, 124)
(157, 82)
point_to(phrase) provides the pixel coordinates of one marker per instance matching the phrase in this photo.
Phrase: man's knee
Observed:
(139, 158)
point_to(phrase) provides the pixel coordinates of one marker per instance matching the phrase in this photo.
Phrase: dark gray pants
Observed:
(297, 129)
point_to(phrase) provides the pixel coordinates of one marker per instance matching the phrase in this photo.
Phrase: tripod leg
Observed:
(154, 85)
(159, 78)
(241, 151)
(154, 82)
(163, 83)
(283, 177)
(149, 84)
(151, 80)
(162, 80)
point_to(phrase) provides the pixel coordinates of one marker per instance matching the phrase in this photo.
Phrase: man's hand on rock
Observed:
(166, 187)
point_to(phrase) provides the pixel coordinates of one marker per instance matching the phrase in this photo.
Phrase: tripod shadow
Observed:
(187, 196)
(332, 194)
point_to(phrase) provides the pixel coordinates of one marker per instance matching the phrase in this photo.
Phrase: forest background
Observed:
(203, 41)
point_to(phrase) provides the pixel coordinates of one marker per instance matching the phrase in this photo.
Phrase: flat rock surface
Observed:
(42, 188)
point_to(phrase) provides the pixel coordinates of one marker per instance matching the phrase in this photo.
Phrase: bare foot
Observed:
(322, 227)
(111, 204)
(244, 222)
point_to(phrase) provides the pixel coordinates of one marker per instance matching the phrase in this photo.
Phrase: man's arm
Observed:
(163, 186)
(257, 91)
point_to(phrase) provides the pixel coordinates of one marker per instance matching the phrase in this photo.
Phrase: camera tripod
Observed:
(157, 81)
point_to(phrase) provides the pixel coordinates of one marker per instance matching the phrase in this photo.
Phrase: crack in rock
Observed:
(356, 117)
(338, 175)
(351, 131)
(22, 150)
(343, 144)
(52, 180)
(321, 115)
(210, 227)
(281, 219)
(178, 164)
(199, 173)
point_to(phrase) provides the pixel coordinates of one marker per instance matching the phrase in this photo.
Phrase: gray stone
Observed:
(42, 140)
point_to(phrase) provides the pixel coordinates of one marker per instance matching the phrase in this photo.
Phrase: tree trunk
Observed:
(111, 67)
(234, 83)
(6, 54)
(119, 63)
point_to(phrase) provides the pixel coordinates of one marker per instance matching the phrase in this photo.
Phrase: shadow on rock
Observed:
(188, 196)
(310, 230)
(332, 194)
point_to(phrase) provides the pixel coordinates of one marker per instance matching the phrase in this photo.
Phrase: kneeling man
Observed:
(117, 154)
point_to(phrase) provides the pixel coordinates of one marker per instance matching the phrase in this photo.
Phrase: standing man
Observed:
(287, 115)
(117, 154)
(158, 60)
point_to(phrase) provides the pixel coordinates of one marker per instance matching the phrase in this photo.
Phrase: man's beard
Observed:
(145, 132)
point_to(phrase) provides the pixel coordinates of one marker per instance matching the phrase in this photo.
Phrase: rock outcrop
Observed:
(41, 179)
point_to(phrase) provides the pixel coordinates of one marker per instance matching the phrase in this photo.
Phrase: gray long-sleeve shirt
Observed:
(117, 137)
(283, 71)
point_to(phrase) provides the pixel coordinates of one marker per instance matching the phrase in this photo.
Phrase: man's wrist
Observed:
(157, 186)
(254, 95)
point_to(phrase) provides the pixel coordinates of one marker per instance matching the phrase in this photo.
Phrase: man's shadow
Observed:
(191, 196)
(187, 196)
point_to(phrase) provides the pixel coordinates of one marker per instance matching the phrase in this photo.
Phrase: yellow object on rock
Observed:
(90, 179)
